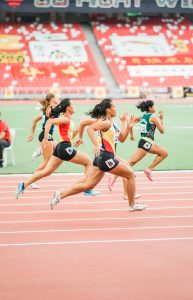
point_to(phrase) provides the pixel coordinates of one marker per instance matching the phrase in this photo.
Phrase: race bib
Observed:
(143, 128)
(110, 163)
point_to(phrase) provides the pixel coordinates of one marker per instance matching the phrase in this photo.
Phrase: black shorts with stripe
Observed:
(64, 151)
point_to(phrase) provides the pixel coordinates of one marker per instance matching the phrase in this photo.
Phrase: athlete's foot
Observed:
(56, 199)
(20, 189)
(34, 186)
(125, 197)
(137, 207)
(148, 174)
(36, 153)
(91, 193)
(111, 182)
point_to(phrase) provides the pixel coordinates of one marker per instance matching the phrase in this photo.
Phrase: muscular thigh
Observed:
(156, 149)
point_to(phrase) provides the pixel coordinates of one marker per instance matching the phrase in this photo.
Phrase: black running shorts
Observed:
(106, 161)
(41, 137)
(64, 151)
(145, 145)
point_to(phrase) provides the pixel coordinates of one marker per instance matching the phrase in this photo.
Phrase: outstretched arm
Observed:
(49, 123)
(159, 125)
(99, 125)
(34, 123)
(80, 129)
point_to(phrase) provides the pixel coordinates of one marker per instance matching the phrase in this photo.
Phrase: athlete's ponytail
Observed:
(46, 102)
(60, 108)
(145, 105)
(99, 110)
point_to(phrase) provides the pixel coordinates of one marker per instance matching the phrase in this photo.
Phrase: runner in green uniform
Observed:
(149, 122)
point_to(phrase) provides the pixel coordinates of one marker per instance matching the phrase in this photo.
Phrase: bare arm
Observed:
(80, 129)
(34, 123)
(124, 129)
(159, 125)
(102, 126)
(49, 123)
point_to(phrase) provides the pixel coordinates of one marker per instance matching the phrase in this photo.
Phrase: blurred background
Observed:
(88, 50)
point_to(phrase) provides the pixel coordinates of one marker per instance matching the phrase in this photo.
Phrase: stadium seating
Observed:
(35, 58)
(147, 51)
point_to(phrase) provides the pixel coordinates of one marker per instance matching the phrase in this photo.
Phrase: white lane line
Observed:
(115, 189)
(155, 185)
(98, 242)
(95, 229)
(91, 202)
(80, 174)
(130, 218)
(143, 179)
(87, 210)
(82, 196)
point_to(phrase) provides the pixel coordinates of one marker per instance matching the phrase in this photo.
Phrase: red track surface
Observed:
(92, 247)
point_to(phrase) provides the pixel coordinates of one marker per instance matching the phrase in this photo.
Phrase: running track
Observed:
(92, 248)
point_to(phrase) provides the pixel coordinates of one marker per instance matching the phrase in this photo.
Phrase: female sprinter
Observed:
(47, 103)
(127, 128)
(64, 150)
(149, 123)
(105, 160)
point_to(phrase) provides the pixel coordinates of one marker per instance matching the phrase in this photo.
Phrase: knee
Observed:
(132, 163)
(165, 154)
(88, 163)
(47, 172)
(130, 175)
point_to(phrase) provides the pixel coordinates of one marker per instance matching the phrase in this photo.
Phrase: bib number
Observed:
(143, 128)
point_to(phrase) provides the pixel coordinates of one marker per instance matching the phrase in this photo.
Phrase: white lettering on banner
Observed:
(163, 71)
(151, 46)
(173, 3)
(187, 4)
(51, 3)
(58, 51)
(168, 3)
(108, 3)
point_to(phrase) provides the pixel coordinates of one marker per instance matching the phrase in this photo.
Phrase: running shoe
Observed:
(36, 153)
(111, 182)
(56, 199)
(136, 196)
(20, 189)
(148, 174)
(34, 186)
(137, 207)
(91, 193)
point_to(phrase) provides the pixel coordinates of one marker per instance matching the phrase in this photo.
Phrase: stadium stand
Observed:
(147, 51)
(36, 57)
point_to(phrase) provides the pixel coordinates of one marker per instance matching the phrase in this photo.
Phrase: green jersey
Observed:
(147, 128)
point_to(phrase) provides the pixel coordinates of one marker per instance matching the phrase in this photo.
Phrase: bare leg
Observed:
(95, 176)
(52, 165)
(161, 155)
(47, 153)
(125, 171)
(82, 159)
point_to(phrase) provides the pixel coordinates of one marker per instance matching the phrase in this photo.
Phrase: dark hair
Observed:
(46, 102)
(145, 105)
(60, 108)
(99, 110)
